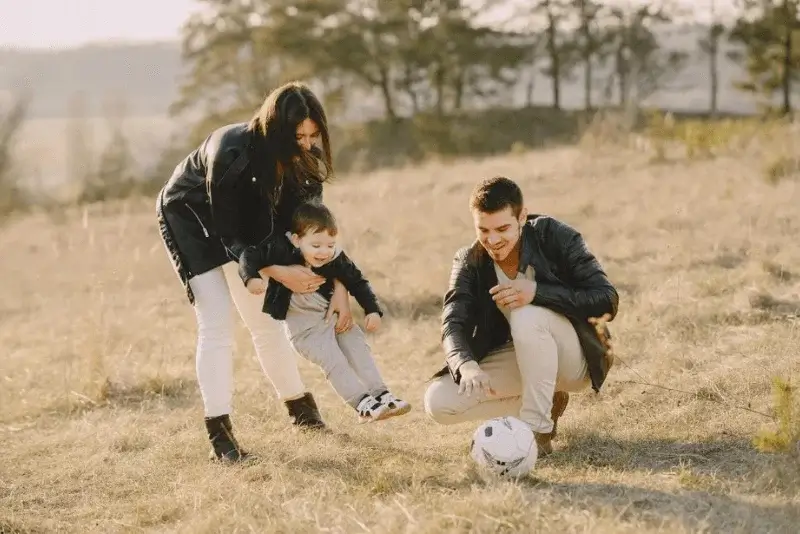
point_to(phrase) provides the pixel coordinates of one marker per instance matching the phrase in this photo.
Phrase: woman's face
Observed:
(307, 134)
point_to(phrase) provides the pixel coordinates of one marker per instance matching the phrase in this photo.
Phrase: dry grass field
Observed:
(101, 421)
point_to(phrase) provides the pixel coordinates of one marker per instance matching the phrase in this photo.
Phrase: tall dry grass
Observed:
(101, 420)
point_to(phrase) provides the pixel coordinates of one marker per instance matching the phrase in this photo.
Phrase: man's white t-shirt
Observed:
(502, 278)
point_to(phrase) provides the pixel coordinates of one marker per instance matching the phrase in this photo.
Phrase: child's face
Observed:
(317, 248)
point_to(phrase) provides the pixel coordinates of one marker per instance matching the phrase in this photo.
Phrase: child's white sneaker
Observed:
(371, 409)
(395, 406)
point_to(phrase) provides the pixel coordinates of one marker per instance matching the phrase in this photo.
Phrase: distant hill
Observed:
(147, 76)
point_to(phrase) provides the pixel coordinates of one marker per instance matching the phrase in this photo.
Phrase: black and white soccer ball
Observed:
(504, 446)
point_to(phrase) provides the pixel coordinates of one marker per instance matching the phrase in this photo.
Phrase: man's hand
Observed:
(297, 278)
(340, 304)
(515, 294)
(473, 379)
(256, 286)
(602, 334)
(372, 322)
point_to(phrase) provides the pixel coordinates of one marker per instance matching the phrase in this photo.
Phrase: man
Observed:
(523, 322)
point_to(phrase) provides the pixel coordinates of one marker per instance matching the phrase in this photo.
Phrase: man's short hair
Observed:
(495, 194)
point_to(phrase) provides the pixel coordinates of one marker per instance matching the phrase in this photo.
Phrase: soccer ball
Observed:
(504, 446)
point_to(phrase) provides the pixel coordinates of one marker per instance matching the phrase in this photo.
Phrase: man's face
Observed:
(307, 134)
(317, 248)
(498, 232)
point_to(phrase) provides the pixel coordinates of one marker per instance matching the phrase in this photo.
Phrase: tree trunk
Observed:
(622, 84)
(439, 84)
(587, 82)
(714, 73)
(531, 87)
(555, 60)
(460, 82)
(386, 91)
(713, 49)
(787, 61)
(586, 31)
(408, 86)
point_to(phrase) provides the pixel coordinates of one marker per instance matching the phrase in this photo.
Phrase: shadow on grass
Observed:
(172, 393)
(728, 457)
(370, 465)
(706, 472)
(711, 475)
(708, 465)
(697, 511)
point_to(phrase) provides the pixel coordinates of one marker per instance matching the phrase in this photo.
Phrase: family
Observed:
(243, 222)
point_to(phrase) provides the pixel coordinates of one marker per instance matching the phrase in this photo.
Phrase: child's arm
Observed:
(271, 252)
(343, 269)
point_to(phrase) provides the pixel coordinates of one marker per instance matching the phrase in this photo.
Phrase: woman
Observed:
(235, 192)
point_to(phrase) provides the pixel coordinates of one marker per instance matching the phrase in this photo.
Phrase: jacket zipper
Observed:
(271, 228)
(205, 232)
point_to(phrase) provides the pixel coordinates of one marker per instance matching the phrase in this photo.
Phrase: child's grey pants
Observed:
(346, 358)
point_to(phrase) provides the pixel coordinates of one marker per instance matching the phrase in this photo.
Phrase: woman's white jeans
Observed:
(216, 293)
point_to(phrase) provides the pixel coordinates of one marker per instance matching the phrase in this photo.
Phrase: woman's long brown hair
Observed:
(274, 151)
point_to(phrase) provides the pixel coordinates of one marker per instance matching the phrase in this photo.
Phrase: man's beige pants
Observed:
(545, 356)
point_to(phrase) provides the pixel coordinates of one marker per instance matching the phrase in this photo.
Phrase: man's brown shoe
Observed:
(543, 444)
(560, 401)
(544, 439)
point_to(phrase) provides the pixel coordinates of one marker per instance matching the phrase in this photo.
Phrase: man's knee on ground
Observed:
(438, 400)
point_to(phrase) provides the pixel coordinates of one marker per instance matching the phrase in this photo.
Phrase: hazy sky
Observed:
(67, 23)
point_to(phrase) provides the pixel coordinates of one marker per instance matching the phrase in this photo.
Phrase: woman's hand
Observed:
(297, 278)
(340, 304)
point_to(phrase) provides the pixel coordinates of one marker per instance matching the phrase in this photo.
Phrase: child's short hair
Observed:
(313, 217)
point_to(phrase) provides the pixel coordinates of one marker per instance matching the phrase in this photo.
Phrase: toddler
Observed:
(345, 358)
